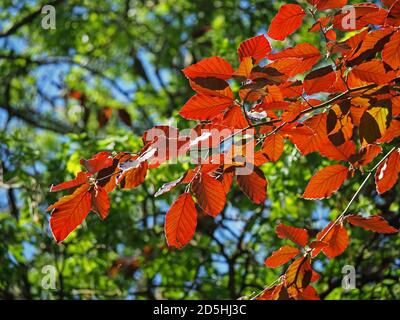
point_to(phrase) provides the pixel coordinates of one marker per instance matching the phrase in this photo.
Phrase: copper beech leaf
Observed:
(387, 173)
(100, 202)
(210, 194)
(287, 20)
(81, 178)
(98, 162)
(204, 107)
(336, 239)
(373, 223)
(215, 67)
(181, 221)
(281, 256)
(325, 182)
(296, 235)
(253, 185)
(257, 48)
(69, 212)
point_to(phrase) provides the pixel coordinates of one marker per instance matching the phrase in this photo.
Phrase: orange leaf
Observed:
(133, 177)
(257, 48)
(281, 256)
(181, 221)
(372, 72)
(295, 60)
(212, 86)
(340, 153)
(387, 173)
(69, 212)
(372, 223)
(273, 146)
(210, 194)
(299, 273)
(319, 80)
(81, 178)
(210, 67)
(254, 185)
(287, 21)
(297, 235)
(234, 118)
(336, 239)
(98, 162)
(243, 72)
(391, 51)
(325, 182)
(327, 4)
(204, 107)
(100, 202)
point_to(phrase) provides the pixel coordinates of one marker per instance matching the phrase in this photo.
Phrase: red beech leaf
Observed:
(340, 153)
(100, 202)
(319, 80)
(81, 178)
(69, 212)
(325, 182)
(373, 223)
(296, 235)
(327, 4)
(295, 60)
(391, 51)
(337, 240)
(387, 173)
(281, 256)
(372, 72)
(257, 48)
(287, 21)
(273, 146)
(210, 67)
(210, 194)
(181, 221)
(98, 162)
(299, 273)
(133, 177)
(254, 185)
(204, 107)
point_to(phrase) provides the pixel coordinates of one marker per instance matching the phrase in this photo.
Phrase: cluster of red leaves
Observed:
(361, 113)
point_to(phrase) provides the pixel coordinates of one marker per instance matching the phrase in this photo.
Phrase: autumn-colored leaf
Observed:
(100, 202)
(253, 185)
(234, 118)
(287, 21)
(335, 237)
(281, 256)
(210, 194)
(257, 48)
(299, 273)
(181, 221)
(374, 123)
(273, 146)
(204, 107)
(297, 235)
(104, 115)
(100, 161)
(166, 187)
(295, 60)
(133, 177)
(340, 153)
(319, 80)
(327, 4)
(69, 212)
(373, 223)
(391, 51)
(372, 72)
(387, 173)
(325, 182)
(81, 178)
(210, 67)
